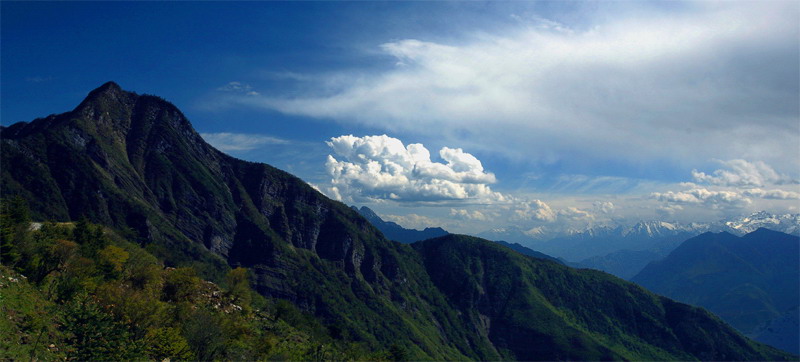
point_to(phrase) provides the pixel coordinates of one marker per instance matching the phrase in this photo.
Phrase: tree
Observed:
(239, 287)
(181, 285)
(91, 238)
(14, 223)
(167, 343)
(111, 259)
(93, 332)
(397, 353)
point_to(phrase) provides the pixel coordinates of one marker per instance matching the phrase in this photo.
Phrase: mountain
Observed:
(395, 232)
(574, 245)
(514, 234)
(782, 332)
(787, 223)
(541, 310)
(748, 281)
(625, 250)
(624, 263)
(528, 251)
(134, 163)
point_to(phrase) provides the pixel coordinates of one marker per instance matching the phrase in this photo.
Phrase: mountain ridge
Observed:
(748, 281)
(394, 231)
(134, 162)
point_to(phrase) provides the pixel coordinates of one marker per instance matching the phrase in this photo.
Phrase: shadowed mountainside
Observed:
(135, 163)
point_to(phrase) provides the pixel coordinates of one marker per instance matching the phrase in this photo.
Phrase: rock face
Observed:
(135, 163)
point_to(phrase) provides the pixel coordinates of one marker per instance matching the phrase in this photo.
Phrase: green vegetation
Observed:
(539, 309)
(79, 291)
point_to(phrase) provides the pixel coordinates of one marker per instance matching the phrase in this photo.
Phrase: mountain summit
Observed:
(135, 163)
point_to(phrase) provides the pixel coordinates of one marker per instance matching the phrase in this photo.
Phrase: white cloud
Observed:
(684, 86)
(463, 214)
(238, 87)
(738, 186)
(669, 210)
(722, 199)
(535, 210)
(710, 198)
(573, 214)
(605, 207)
(381, 167)
(772, 194)
(413, 221)
(231, 142)
(742, 173)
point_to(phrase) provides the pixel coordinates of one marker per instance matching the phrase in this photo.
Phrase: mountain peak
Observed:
(110, 85)
(369, 214)
(107, 97)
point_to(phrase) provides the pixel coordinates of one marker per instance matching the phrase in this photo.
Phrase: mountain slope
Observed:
(134, 162)
(528, 251)
(395, 232)
(747, 281)
(543, 310)
(624, 263)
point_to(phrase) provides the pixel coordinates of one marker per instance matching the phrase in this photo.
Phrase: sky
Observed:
(466, 115)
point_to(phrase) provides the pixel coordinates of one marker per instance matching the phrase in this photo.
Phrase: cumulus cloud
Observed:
(668, 210)
(605, 207)
(381, 167)
(573, 214)
(684, 86)
(463, 214)
(232, 142)
(772, 194)
(413, 221)
(535, 210)
(738, 185)
(742, 173)
(713, 199)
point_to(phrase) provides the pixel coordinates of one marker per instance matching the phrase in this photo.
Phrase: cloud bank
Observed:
(381, 167)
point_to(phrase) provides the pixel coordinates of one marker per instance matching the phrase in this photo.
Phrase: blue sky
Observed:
(466, 115)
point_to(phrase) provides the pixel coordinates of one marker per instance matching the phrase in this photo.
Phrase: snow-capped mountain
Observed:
(787, 223)
(661, 236)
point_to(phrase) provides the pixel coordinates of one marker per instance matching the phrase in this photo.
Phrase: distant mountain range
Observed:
(395, 232)
(752, 281)
(135, 164)
(625, 250)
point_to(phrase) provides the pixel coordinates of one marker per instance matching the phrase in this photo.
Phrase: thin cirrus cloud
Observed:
(237, 142)
(708, 81)
(383, 168)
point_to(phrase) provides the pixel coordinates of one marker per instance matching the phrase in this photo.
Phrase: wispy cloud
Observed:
(683, 87)
(232, 142)
(38, 79)
(238, 87)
